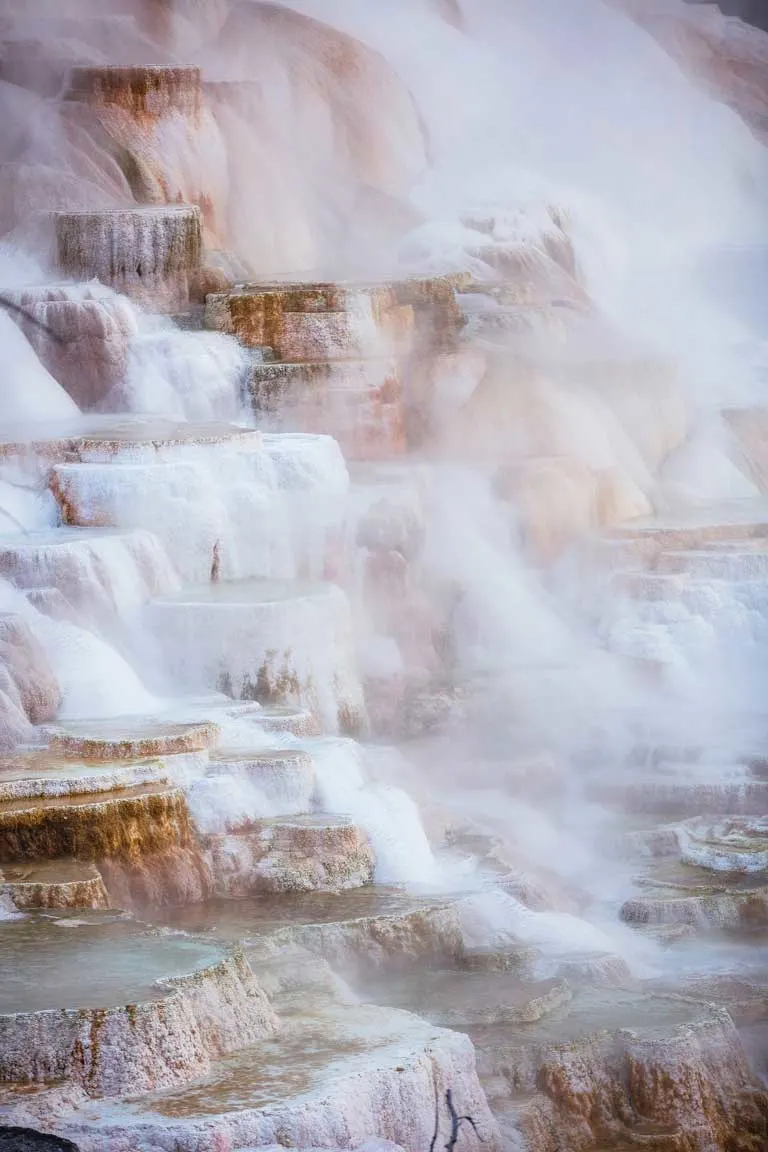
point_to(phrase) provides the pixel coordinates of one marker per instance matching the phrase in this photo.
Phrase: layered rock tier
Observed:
(151, 254)
(340, 359)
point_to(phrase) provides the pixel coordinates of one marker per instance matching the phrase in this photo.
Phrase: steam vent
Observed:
(383, 576)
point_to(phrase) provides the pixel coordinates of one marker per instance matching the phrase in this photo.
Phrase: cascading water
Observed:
(507, 770)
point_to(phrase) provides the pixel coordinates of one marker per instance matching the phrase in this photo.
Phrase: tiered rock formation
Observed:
(169, 819)
(209, 939)
(339, 359)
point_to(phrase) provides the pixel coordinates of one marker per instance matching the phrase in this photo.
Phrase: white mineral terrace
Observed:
(383, 576)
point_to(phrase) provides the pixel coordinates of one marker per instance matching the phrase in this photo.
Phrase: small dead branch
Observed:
(456, 1123)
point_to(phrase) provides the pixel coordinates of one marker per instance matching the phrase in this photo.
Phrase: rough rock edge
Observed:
(144, 1046)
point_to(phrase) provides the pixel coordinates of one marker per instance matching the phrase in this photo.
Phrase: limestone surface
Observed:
(156, 1043)
(148, 253)
(100, 575)
(29, 691)
(290, 854)
(81, 334)
(277, 643)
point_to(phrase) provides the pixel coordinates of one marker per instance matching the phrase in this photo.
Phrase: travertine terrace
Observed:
(378, 767)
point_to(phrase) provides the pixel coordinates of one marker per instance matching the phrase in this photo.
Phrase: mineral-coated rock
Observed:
(291, 854)
(281, 390)
(129, 825)
(147, 253)
(165, 139)
(101, 575)
(272, 642)
(607, 1087)
(275, 77)
(273, 782)
(692, 893)
(353, 1074)
(29, 692)
(37, 772)
(316, 322)
(555, 498)
(750, 429)
(344, 335)
(145, 92)
(665, 797)
(82, 336)
(110, 742)
(385, 937)
(258, 314)
(173, 877)
(277, 718)
(158, 1043)
(725, 56)
(236, 505)
(59, 884)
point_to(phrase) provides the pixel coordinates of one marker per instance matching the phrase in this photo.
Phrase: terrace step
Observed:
(322, 322)
(681, 794)
(279, 781)
(101, 573)
(718, 562)
(331, 1068)
(255, 312)
(359, 402)
(49, 884)
(148, 253)
(696, 593)
(598, 1044)
(279, 642)
(216, 708)
(232, 505)
(97, 439)
(457, 999)
(646, 539)
(42, 773)
(675, 892)
(289, 854)
(114, 1008)
(130, 824)
(279, 385)
(354, 929)
(731, 844)
(129, 738)
(276, 718)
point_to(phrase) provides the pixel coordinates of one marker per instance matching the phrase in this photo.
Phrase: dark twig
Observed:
(12, 306)
(216, 563)
(456, 1123)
